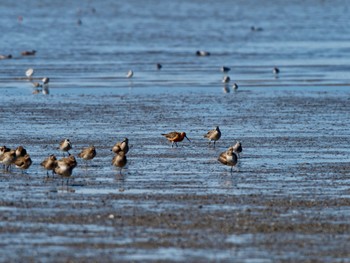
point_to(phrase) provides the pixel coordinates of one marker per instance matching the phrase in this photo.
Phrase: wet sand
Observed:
(288, 200)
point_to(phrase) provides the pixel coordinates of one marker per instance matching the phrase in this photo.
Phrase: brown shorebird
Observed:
(175, 137)
(7, 158)
(65, 167)
(88, 153)
(49, 164)
(237, 148)
(119, 160)
(20, 151)
(229, 158)
(65, 146)
(122, 146)
(213, 135)
(23, 162)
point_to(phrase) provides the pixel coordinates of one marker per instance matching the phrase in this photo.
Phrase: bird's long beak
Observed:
(187, 139)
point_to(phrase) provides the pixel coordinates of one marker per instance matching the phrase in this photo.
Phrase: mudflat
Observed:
(287, 200)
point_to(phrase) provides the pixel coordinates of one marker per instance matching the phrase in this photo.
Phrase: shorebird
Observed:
(23, 162)
(213, 135)
(257, 29)
(88, 153)
(275, 71)
(159, 66)
(20, 151)
(229, 158)
(29, 73)
(237, 147)
(175, 137)
(226, 79)
(130, 74)
(65, 167)
(235, 86)
(5, 56)
(225, 69)
(3, 149)
(119, 160)
(65, 146)
(45, 80)
(49, 164)
(202, 53)
(7, 158)
(122, 146)
(28, 53)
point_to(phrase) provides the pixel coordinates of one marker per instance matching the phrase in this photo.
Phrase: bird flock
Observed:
(64, 167)
(43, 86)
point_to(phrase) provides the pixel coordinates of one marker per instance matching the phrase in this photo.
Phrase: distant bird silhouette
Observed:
(130, 74)
(275, 71)
(28, 53)
(226, 79)
(5, 56)
(225, 69)
(202, 53)
(29, 73)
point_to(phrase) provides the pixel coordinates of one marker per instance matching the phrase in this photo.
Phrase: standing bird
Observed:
(226, 79)
(122, 146)
(65, 146)
(159, 66)
(3, 149)
(213, 135)
(225, 69)
(29, 73)
(235, 86)
(228, 158)
(237, 148)
(65, 167)
(49, 164)
(88, 153)
(20, 151)
(130, 74)
(45, 81)
(7, 158)
(119, 160)
(23, 162)
(275, 71)
(175, 137)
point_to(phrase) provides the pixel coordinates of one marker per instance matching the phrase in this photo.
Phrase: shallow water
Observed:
(288, 196)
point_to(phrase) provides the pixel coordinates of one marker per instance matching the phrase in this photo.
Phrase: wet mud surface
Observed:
(288, 199)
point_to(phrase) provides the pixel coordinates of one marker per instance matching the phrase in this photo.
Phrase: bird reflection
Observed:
(41, 87)
(226, 89)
